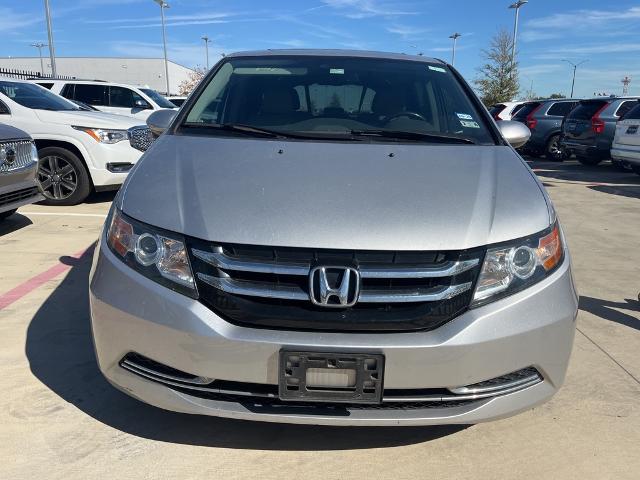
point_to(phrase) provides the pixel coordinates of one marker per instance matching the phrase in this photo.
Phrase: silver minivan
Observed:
(337, 238)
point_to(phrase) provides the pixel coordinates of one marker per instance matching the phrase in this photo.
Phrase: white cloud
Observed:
(583, 18)
(188, 54)
(291, 43)
(406, 31)
(11, 21)
(541, 69)
(358, 9)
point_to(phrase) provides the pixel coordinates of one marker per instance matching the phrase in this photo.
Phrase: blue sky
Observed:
(604, 32)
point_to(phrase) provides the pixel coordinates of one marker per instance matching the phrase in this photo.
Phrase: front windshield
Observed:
(33, 96)
(157, 98)
(334, 96)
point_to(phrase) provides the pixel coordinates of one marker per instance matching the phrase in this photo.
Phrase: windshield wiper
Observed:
(245, 129)
(265, 132)
(418, 136)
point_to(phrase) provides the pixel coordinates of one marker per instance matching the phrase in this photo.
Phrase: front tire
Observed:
(554, 150)
(63, 178)
(589, 161)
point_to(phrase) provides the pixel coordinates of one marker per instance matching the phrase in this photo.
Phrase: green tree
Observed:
(498, 77)
(556, 95)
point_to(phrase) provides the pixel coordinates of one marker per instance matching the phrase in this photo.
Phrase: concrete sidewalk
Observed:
(61, 420)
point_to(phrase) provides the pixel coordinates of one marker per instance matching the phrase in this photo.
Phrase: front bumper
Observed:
(629, 154)
(130, 313)
(102, 154)
(19, 188)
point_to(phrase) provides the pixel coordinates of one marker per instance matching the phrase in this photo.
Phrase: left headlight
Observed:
(515, 266)
(155, 253)
(104, 135)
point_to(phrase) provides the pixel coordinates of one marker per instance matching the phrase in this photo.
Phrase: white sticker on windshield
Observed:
(337, 71)
(464, 116)
(437, 69)
(469, 124)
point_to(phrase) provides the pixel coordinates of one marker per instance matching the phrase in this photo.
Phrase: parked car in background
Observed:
(589, 128)
(544, 119)
(18, 168)
(347, 239)
(505, 110)
(79, 150)
(626, 142)
(108, 97)
(177, 101)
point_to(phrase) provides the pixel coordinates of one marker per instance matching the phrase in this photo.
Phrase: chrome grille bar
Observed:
(255, 289)
(391, 398)
(447, 269)
(218, 259)
(288, 292)
(412, 295)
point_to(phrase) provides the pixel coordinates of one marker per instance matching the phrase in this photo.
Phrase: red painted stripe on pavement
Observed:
(30, 285)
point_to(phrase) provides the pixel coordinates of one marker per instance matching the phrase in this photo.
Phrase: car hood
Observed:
(368, 196)
(7, 132)
(88, 119)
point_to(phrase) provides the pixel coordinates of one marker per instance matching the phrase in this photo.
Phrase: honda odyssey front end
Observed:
(338, 238)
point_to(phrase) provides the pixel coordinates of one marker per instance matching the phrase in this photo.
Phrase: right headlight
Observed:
(155, 253)
(515, 266)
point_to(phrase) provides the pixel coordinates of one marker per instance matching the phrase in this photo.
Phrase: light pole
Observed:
(164, 5)
(206, 48)
(52, 51)
(517, 6)
(575, 67)
(39, 46)
(455, 38)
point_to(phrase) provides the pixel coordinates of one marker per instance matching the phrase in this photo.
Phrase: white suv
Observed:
(79, 150)
(139, 102)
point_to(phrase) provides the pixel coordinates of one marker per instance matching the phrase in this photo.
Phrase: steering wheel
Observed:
(413, 115)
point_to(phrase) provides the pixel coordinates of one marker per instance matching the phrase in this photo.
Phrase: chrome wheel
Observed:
(58, 177)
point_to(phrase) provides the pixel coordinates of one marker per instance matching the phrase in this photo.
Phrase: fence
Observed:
(26, 74)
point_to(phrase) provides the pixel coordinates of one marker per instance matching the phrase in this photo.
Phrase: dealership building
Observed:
(134, 71)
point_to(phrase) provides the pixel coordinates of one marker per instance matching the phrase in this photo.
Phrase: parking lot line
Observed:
(36, 281)
(65, 214)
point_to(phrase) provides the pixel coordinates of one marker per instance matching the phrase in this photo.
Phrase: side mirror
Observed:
(141, 104)
(160, 120)
(516, 133)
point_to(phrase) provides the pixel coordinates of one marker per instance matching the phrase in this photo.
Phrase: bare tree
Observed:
(187, 86)
(498, 77)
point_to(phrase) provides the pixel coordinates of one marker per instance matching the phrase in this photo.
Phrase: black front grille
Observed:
(277, 313)
(18, 195)
(140, 138)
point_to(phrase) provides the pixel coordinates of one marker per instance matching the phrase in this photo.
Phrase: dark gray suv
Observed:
(18, 166)
(544, 119)
(589, 129)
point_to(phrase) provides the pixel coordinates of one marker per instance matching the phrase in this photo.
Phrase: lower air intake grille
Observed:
(259, 396)
(18, 195)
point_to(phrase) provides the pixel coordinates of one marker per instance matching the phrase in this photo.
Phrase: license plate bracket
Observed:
(301, 377)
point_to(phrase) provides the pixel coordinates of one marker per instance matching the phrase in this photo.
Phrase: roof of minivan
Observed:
(334, 53)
